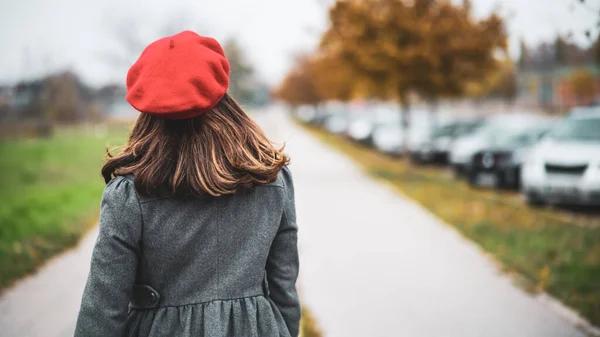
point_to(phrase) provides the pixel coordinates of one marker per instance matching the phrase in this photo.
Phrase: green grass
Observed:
(548, 249)
(50, 193)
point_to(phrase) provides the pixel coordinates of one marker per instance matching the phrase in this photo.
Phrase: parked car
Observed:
(564, 168)
(363, 126)
(464, 148)
(334, 117)
(436, 147)
(389, 139)
(583, 110)
(337, 123)
(328, 110)
(306, 113)
(421, 127)
(498, 165)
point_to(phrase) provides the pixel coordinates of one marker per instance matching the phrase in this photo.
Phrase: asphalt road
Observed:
(373, 264)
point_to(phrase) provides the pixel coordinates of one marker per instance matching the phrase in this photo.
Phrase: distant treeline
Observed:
(560, 53)
(34, 106)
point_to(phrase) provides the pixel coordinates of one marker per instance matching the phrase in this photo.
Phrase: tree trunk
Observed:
(405, 113)
(433, 109)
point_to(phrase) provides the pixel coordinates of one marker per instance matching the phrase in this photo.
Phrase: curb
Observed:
(568, 314)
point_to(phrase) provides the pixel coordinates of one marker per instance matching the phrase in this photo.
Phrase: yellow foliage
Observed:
(308, 326)
(434, 48)
(543, 278)
(583, 84)
(391, 48)
(299, 87)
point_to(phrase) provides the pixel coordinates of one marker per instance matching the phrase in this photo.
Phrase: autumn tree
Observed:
(299, 87)
(505, 84)
(335, 79)
(461, 50)
(524, 58)
(379, 40)
(501, 83)
(583, 85)
(64, 101)
(560, 51)
(432, 48)
(596, 51)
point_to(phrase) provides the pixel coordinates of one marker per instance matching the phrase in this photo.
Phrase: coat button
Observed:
(152, 297)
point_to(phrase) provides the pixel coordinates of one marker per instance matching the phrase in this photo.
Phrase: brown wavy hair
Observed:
(214, 154)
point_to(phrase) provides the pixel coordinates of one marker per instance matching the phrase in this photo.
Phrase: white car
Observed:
(306, 113)
(362, 128)
(564, 168)
(389, 139)
(392, 139)
(464, 148)
(337, 124)
(437, 146)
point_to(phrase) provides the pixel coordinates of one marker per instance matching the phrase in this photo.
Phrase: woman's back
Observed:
(198, 232)
(204, 267)
(201, 250)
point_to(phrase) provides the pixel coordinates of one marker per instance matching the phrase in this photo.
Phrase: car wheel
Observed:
(415, 157)
(501, 182)
(457, 171)
(533, 199)
(517, 182)
(472, 178)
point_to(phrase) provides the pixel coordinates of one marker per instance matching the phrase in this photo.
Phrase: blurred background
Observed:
(484, 113)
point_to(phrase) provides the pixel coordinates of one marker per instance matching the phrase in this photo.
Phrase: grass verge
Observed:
(308, 325)
(49, 195)
(553, 252)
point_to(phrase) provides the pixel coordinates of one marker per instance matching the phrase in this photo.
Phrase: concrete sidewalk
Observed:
(372, 264)
(376, 264)
(46, 304)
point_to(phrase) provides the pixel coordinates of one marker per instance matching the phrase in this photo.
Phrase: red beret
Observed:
(179, 77)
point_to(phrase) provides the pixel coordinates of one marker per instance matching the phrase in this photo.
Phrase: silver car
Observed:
(564, 168)
(464, 148)
(362, 128)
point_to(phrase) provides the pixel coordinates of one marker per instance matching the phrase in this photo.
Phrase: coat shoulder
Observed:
(121, 191)
(284, 178)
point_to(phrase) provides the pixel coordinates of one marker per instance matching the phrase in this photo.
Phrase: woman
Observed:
(197, 223)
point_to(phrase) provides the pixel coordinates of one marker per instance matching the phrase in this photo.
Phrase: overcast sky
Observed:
(41, 36)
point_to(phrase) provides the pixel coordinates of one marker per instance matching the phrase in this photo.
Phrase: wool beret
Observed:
(178, 77)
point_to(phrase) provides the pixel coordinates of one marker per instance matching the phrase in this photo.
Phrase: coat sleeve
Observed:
(104, 306)
(283, 264)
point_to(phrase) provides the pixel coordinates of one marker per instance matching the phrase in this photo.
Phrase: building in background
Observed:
(558, 76)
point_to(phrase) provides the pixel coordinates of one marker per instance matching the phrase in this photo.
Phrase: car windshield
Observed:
(468, 128)
(522, 137)
(445, 130)
(583, 129)
(517, 132)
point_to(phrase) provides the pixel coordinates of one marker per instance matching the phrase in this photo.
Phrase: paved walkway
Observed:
(46, 304)
(372, 264)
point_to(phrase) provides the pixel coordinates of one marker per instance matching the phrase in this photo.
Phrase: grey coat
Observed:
(224, 266)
